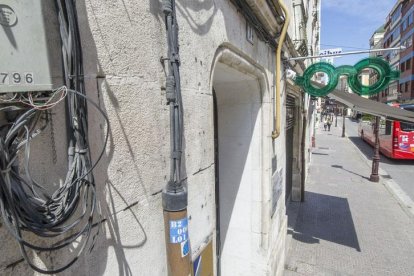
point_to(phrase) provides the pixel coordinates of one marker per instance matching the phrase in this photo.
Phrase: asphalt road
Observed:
(401, 171)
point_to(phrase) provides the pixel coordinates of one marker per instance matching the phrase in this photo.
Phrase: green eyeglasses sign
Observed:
(381, 67)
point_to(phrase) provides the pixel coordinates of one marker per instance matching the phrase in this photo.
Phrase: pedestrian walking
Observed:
(325, 123)
(329, 123)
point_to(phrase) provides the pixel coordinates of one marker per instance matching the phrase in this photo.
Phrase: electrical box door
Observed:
(30, 46)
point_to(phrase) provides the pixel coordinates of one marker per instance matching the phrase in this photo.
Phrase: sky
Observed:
(349, 24)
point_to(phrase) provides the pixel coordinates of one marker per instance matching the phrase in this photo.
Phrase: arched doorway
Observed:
(238, 144)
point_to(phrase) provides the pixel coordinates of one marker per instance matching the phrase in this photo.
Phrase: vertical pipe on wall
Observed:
(278, 113)
(174, 196)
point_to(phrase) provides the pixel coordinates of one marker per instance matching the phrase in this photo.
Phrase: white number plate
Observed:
(16, 78)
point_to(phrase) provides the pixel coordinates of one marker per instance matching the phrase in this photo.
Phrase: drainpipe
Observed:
(298, 18)
(303, 146)
(278, 113)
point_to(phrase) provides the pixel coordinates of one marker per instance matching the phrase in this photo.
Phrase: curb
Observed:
(406, 203)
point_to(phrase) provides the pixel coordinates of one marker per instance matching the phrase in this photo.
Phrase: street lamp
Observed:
(343, 122)
(336, 117)
(374, 177)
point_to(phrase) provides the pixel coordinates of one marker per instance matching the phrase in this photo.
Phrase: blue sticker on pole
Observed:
(185, 248)
(197, 266)
(178, 230)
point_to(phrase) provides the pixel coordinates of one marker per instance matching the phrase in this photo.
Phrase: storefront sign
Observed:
(330, 52)
(277, 188)
(384, 72)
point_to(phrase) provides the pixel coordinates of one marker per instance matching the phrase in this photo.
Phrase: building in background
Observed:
(406, 89)
(399, 29)
(392, 38)
(376, 42)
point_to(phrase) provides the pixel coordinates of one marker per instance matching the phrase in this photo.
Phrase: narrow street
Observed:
(347, 224)
(401, 171)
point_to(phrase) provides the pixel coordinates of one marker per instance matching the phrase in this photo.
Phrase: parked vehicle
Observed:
(396, 138)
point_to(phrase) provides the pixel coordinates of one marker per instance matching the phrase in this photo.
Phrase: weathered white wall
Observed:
(123, 41)
(240, 169)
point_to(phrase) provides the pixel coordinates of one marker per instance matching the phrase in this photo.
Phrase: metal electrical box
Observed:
(30, 46)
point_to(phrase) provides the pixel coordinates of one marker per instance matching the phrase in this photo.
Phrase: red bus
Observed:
(396, 138)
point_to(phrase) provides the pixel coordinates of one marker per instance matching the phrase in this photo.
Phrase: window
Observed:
(388, 127)
(409, 41)
(408, 64)
(401, 87)
(385, 127)
(396, 15)
(410, 19)
(402, 67)
(396, 33)
(407, 126)
(406, 87)
(404, 25)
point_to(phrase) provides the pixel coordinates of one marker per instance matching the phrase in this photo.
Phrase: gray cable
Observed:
(25, 205)
(174, 97)
(261, 31)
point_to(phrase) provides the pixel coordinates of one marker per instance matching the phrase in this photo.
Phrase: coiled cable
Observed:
(65, 216)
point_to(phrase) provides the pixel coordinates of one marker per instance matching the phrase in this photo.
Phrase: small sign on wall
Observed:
(277, 188)
(178, 230)
(203, 264)
(249, 33)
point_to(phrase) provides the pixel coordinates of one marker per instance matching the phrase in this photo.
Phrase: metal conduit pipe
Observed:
(174, 195)
(278, 113)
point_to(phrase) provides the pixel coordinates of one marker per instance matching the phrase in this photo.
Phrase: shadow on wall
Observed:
(323, 217)
(190, 10)
(119, 230)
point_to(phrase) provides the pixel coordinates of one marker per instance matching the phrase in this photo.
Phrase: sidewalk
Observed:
(347, 224)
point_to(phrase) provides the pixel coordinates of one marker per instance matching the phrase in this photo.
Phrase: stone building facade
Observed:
(239, 179)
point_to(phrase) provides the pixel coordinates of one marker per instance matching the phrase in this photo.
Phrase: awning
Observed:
(364, 105)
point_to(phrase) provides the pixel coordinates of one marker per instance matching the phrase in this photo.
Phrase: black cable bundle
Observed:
(173, 93)
(26, 206)
(175, 192)
(261, 31)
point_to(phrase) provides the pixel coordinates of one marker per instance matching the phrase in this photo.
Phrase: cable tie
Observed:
(170, 89)
(167, 6)
(81, 151)
(163, 59)
(71, 151)
(76, 77)
(176, 155)
(175, 58)
(6, 171)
